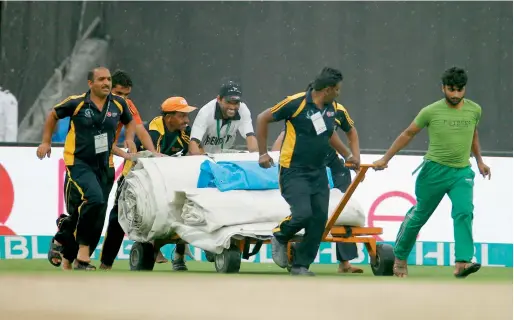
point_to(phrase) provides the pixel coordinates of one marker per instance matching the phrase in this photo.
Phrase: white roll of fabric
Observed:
(159, 198)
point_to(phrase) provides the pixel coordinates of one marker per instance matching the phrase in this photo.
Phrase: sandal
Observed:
(351, 270)
(467, 270)
(81, 265)
(400, 268)
(54, 253)
(160, 258)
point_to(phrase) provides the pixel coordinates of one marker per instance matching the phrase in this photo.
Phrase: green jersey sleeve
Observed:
(478, 116)
(423, 118)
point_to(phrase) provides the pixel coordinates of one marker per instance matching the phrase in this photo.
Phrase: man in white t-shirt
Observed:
(8, 116)
(217, 123)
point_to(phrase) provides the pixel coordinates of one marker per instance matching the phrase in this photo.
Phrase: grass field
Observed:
(121, 267)
(35, 289)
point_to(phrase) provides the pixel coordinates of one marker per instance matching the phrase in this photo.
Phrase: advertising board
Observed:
(32, 196)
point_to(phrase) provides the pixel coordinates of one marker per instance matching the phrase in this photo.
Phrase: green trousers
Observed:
(433, 183)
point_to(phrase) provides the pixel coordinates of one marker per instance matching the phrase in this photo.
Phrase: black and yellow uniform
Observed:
(165, 142)
(87, 154)
(302, 172)
(340, 174)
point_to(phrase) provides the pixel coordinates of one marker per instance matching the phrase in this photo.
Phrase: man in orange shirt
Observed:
(121, 86)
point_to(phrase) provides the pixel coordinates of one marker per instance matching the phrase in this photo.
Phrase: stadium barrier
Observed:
(32, 196)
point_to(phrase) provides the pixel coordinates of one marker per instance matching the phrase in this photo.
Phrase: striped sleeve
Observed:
(343, 119)
(286, 108)
(134, 112)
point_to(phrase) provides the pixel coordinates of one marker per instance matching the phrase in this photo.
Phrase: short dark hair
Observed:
(120, 77)
(309, 86)
(171, 113)
(455, 77)
(328, 77)
(91, 73)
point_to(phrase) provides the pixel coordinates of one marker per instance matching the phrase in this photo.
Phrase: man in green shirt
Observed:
(452, 129)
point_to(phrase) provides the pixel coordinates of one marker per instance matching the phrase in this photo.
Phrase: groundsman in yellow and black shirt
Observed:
(94, 117)
(341, 177)
(170, 134)
(309, 134)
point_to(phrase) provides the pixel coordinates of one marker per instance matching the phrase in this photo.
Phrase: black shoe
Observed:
(179, 265)
(62, 219)
(301, 271)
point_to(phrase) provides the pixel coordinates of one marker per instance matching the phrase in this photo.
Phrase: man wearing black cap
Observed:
(217, 123)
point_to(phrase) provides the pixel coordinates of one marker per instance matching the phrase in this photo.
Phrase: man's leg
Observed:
(106, 179)
(295, 189)
(66, 225)
(431, 186)
(85, 181)
(307, 249)
(178, 262)
(461, 196)
(114, 235)
(56, 246)
(345, 251)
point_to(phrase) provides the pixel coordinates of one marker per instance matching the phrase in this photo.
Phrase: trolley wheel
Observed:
(142, 257)
(384, 261)
(290, 256)
(210, 256)
(229, 261)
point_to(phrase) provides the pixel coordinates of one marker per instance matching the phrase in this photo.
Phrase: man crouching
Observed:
(170, 133)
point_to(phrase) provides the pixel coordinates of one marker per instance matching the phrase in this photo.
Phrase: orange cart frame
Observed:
(142, 255)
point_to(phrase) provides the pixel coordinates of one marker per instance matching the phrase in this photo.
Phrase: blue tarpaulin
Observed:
(240, 175)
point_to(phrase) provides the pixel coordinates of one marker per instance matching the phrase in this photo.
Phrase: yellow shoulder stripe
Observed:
(118, 105)
(77, 109)
(340, 107)
(157, 125)
(282, 103)
(70, 98)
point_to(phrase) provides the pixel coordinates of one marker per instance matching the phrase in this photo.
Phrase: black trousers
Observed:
(341, 176)
(307, 193)
(114, 235)
(87, 192)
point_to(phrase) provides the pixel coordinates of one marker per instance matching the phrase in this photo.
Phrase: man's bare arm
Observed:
(475, 148)
(402, 141)
(263, 119)
(339, 146)
(130, 130)
(194, 148)
(50, 126)
(251, 143)
(120, 152)
(44, 149)
(145, 138)
(353, 139)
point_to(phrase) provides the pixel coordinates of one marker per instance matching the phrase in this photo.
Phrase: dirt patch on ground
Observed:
(226, 297)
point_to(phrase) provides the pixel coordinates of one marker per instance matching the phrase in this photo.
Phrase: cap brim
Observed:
(187, 109)
(233, 98)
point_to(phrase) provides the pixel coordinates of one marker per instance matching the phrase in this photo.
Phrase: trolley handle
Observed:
(366, 165)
